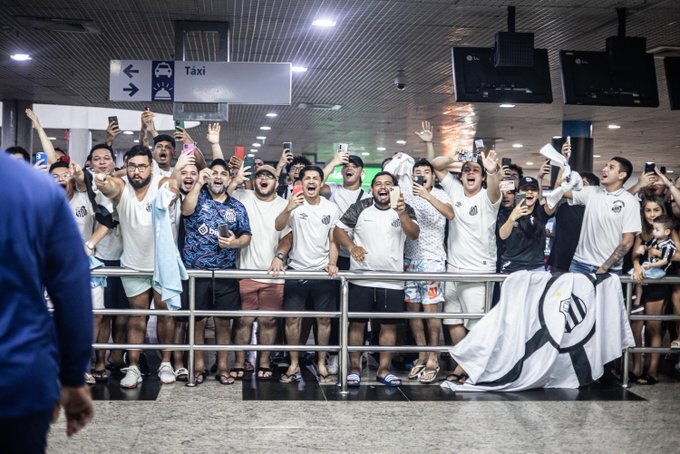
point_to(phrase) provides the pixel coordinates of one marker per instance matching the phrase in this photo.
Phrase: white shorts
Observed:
(469, 297)
(97, 297)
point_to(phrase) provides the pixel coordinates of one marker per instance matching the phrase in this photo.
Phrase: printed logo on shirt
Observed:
(396, 223)
(617, 206)
(459, 204)
(303, 216)
(326, 219)
(204, 229)
(81, 212)
(230, 215)
(148, 207)
(473, 211)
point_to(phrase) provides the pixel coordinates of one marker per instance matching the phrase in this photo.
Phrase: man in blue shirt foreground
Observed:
(42, 357)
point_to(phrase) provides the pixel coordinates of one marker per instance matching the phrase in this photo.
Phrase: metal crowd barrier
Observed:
(343, 314)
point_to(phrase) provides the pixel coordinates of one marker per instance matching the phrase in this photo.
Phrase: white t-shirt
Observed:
(265, 238)
(430, 242)
(607, 217)
(157, 171)
(472, 232)
(380, 233)
(136, 226)
(311, 225)
(83, 213)
(111, 246)
(344, 198)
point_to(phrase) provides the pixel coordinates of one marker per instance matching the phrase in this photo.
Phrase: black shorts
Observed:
(655, 292)
(217, 295)
(308, 294)
(376, 299)
(114, 294)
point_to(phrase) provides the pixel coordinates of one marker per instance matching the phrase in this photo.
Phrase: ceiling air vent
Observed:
(318, 106)
(53, 24)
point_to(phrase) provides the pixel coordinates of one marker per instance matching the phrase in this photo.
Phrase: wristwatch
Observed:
(280, 256)
(89, 245)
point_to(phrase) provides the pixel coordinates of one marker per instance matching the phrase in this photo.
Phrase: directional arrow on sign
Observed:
(132, 89)
(129, 71)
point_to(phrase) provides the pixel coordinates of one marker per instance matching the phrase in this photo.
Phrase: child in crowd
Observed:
(659, 249)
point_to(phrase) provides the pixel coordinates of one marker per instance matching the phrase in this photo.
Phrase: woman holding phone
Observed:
(522, 230)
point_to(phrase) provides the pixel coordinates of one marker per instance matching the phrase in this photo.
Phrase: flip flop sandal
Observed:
(416, 371)
(390, 380)
(325, 379)
(675, 344)
(100, 375)
(200, 377)
(237, 373)
(264, 374)
(225, 379)
(429, 375)
(353, 380)
(292, 378)
(456, 378)
(647, 379)
(182, 374)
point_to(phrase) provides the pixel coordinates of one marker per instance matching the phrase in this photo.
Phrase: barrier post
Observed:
(488, 296)
(344, 334)
(626, 352)
(192, 328)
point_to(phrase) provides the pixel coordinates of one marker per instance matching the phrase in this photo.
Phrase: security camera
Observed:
(400, 81)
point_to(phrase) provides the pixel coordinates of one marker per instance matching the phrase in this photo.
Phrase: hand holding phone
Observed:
(224, 231)
(506, 162)
(189, 149)
(419, 179)
(519, 198)
(249, 164)
(649, 167)
(395, 193)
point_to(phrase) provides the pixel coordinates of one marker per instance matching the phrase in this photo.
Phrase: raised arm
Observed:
(340, 158)
(446, 209)
(213, 137)
(441, 166)
(112, 187)
(293, 202)
(191, 199)
(408, 225)
(426, 135)
(46, 143)
(490, 161)
(506, 229)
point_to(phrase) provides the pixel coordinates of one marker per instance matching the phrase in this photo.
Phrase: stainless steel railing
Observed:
(343, 314)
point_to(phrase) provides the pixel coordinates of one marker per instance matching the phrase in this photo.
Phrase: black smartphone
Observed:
(250, 162)
(649, 167)
(419, 179)
(662, 169)
(288, 146)
(519, 197)
(506, 162)
(113, 119)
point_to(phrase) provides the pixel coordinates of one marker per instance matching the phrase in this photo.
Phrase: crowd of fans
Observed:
(461, 214)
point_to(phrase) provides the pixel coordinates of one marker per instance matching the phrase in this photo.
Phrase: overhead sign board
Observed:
(201, 82)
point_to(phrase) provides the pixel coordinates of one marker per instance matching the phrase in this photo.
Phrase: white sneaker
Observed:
(166, 373)
(332, 364)
(132, 377)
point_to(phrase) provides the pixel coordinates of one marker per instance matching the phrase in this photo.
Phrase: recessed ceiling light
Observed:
(136, 141)
(265, 128)
(381, 148)
(253, 150)
(261, 137)
(517, 145)
(128, 133)
(597, 156)
(20, 57)
(669, 171)
(557, 137)
(256, 145)
(52, 138)
(529, 163)
(613, 126)
(272, 114)
(401, 142)
(251, 155)
(365, 153)
(299, 69)
(324, 23)
(507, 106)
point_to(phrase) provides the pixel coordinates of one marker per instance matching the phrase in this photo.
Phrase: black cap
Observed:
(164, 137)
(528, 182)
(219, 162)
(356, 160)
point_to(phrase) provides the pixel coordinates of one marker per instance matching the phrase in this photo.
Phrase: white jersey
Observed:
(344, 198)
(258, 255)
(136, 226)
(380, 233)
(157, 171)
(83, 213)
(430, 243)
(311, 225)
(111, 246)
(472, 232)
(607, 217)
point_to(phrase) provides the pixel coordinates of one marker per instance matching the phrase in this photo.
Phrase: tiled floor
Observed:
(256, 416)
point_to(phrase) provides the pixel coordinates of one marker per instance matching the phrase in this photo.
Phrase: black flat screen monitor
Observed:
(588, 79)
(475, 79)
(672, 67)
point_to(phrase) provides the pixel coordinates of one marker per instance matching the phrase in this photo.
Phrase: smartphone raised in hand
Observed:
(519, 197)
(649, 167)
(189, 148)
(395, 192)
(113, 120)
(250, 162)
(505, 162)
(419, 179)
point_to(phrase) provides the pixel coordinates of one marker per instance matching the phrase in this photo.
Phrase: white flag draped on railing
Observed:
(548, 331)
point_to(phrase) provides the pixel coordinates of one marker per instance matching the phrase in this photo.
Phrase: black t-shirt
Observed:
(568, 221)
(524, 248)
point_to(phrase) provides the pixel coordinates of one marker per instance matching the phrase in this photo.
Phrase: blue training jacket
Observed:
(40, 245)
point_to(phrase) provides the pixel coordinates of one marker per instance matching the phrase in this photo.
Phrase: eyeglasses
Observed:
(265, 176)
(61, 176)
(141, 167)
